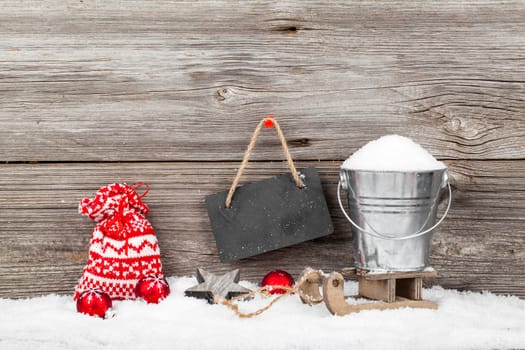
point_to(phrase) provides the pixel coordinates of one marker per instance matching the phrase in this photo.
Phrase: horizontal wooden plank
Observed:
(166, 81)
(480, 246)
(104, 81)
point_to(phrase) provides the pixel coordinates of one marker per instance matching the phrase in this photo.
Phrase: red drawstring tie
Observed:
(138, 185)
(118, 218)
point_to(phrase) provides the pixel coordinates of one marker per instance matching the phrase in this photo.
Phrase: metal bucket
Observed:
(393, 214)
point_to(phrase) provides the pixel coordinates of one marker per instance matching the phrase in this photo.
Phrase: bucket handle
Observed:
(382, 236)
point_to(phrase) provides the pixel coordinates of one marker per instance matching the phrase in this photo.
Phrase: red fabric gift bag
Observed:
(123, 247)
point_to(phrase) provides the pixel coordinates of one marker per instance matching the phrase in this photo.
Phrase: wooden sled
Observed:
(390, 290)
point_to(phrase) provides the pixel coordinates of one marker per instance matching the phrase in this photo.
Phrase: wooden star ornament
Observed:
(210, 285)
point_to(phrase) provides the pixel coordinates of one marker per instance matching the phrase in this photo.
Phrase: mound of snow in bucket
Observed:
(392, 153)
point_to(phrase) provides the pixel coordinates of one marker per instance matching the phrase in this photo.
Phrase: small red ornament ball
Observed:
(94, 302)
(152, 289)
(277, 278)
(269, 122)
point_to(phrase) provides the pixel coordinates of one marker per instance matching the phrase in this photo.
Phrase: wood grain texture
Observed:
(177, 80)
(168, 92)
(45, 240)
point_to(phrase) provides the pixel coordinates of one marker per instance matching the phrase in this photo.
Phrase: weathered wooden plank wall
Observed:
(168, 92)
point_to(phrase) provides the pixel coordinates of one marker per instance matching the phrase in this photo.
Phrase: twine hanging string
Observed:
(232, 303)
(268, 122)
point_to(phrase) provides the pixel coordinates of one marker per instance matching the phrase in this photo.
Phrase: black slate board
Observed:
(268, 215)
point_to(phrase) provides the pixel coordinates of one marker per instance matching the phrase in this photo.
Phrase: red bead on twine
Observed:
(275, 279)
(268, 122)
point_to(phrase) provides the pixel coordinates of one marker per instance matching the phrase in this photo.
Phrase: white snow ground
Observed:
(464, 320)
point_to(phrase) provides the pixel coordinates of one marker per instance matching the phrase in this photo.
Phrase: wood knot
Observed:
(221, 94)
(302, 142)
(455, 124)
(289, 29)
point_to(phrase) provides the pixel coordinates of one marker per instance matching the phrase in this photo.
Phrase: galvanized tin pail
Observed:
(393, 214)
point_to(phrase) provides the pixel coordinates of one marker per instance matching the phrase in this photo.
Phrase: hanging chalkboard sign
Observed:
(270, 214)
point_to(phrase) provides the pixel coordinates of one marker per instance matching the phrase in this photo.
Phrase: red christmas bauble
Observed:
(94, 302)
(275, 279)
(152, 289)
